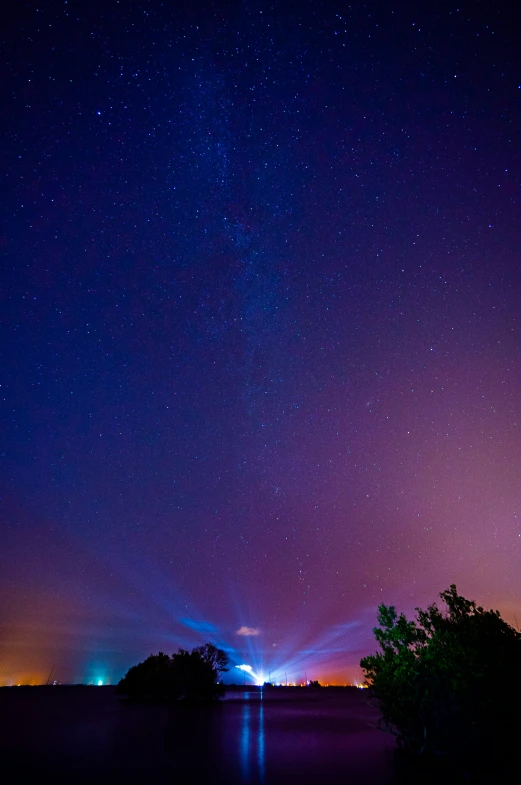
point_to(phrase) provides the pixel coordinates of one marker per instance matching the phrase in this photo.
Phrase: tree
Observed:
(448, 683)
(186, 675)
(151, 678)
(216, 658)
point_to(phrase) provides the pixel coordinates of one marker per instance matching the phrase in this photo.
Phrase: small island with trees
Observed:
(186, 675)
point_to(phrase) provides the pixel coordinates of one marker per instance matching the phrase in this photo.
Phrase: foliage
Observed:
(216, 658)
(186, 675)
(315, 683)
(449, 682)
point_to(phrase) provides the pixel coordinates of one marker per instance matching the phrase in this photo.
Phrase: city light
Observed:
(258, 678)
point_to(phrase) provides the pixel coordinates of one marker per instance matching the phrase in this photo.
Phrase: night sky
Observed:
(261, 327)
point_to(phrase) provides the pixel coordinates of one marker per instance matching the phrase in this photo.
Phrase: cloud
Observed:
(247, 631)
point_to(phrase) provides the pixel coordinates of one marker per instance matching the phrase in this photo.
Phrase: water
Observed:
(256, 737)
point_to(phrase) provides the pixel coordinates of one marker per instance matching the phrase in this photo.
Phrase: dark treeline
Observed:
(186, 675)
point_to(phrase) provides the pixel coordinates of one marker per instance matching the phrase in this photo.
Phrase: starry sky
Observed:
(261, 300)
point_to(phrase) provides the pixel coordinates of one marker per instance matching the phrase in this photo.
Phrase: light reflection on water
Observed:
(255, 737)
(260, 743)
(245, 738)
(253, 766)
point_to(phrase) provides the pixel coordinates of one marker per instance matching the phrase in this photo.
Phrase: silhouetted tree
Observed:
(449, 683)
(151, 678)
(216, 658)
(186, 675)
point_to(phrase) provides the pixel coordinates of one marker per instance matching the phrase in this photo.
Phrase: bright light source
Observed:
(258, 678)
(100, 683)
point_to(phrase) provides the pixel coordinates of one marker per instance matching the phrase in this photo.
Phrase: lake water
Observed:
(269, 737)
